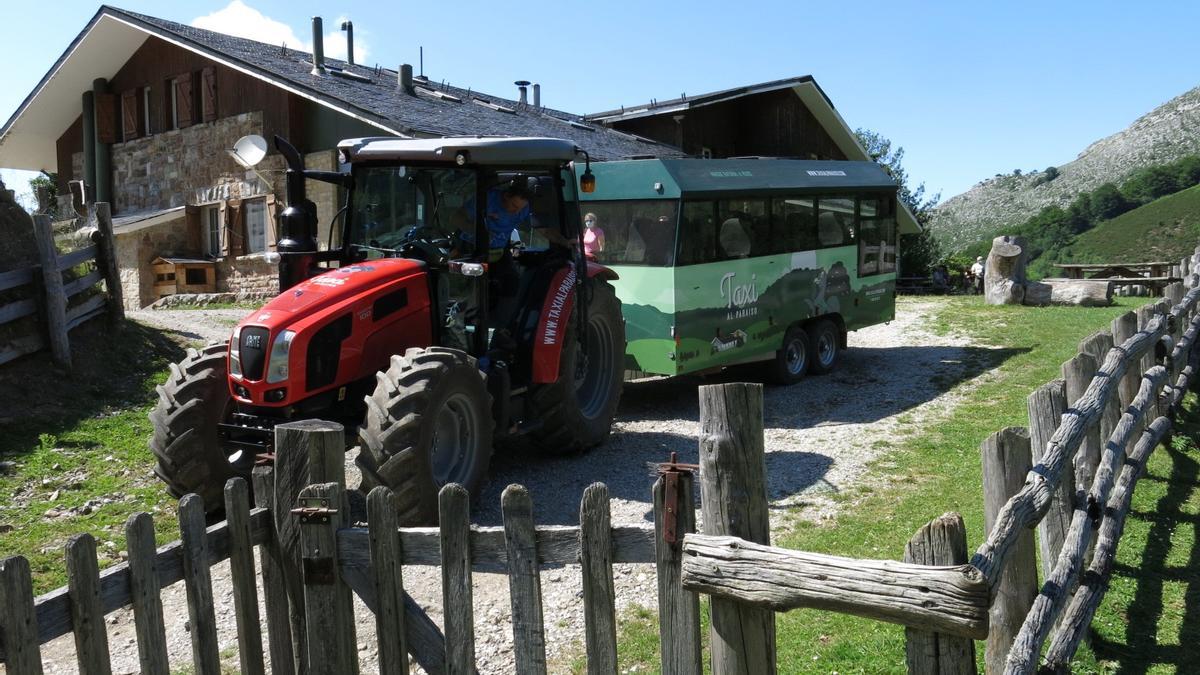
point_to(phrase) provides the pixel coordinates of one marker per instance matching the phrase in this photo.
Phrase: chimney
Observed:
(405, 79)
(537, 96)
(522, 84)
(348, 26)
(318, 47)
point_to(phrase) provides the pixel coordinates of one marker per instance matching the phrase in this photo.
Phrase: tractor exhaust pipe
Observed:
(297, 245)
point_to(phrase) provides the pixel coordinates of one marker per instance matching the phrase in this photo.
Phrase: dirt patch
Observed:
(820, 437)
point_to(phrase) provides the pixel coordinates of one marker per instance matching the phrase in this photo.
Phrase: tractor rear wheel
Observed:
(186, 444)
(428, 423)
(577, 410)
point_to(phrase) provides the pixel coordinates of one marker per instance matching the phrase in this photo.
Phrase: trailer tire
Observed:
(570, 424)
(185, 441)
(825, 343)
(428, 423)
(792, 360)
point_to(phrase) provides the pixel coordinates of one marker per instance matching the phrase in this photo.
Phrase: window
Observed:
(256, 226)
(698, 233)
(171, 106)
(835, 221)
(634, 232)
(745, 229)
(193, 276)
(794, 224)
(876, 236)
(210, 221)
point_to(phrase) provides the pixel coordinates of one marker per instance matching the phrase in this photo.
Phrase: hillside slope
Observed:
(1167, 228)
(1169, 132)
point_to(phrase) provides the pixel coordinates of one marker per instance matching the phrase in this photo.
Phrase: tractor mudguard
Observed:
(552, 325)
(596, 270)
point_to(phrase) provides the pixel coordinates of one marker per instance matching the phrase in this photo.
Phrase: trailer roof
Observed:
(683, 177)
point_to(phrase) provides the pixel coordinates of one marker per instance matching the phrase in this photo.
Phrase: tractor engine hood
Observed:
(328, 330)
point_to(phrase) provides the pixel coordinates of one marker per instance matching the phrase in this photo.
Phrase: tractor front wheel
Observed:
(186, 444)
(577, 410)
(428, 423)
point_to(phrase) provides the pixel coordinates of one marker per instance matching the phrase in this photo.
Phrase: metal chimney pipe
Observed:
(318, 47)
(537, 96)
(348, 26)
(406, 79)
(522, 84)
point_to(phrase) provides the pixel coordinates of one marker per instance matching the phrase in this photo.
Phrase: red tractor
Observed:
(426, 329)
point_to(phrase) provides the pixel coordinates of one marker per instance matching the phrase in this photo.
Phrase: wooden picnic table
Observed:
(1115, 270)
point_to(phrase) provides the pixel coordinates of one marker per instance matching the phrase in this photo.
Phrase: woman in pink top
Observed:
(593, 236)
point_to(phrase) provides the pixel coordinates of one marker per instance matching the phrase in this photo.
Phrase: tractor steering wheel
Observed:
(434, 250)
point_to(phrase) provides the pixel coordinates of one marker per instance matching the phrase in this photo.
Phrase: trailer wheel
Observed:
(185, 442)
(428, 423)
(824, 342)
(791, 362)
(577, 410)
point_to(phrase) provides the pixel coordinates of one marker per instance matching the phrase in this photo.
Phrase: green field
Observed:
(1166, 229)
(1146, 624)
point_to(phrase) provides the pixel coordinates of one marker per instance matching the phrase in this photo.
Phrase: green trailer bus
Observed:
(726, 262)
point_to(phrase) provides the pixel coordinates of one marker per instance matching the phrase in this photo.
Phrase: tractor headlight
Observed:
(235, 359)
(277, 365)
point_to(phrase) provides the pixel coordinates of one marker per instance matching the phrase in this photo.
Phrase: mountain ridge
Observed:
(1166, 133)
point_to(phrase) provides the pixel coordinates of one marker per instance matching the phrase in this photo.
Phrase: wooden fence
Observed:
(47, 297)
(313, 558)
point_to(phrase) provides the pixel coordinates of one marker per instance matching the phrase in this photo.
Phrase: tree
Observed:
(1050, 173)
(918, 252)
(1150, 183)
(45, 192)
(1107, 202)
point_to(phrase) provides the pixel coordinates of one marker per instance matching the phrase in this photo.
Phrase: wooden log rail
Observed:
(1099, 512)
(1027, 508)
(945, 599)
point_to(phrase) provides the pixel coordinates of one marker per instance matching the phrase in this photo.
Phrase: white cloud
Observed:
(242, 20)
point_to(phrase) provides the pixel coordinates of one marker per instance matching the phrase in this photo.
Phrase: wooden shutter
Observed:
(129, 114)
(272, 230)
(184, 100)
(235, 227)
(194, 224)
(106, 118)
(222, 214)
(208, 94)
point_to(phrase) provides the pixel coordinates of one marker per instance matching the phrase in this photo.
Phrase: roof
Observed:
(675, 178)
(805, 87)
(132, 222)
(27, 139)
(493, 150)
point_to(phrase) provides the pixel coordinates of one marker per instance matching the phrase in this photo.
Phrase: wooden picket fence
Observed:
(313, 559)
(47, 296)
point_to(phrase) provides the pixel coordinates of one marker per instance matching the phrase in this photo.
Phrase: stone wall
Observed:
(137, 249)
(248, 274)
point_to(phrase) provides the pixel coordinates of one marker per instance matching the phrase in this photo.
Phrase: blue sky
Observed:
(969, 89)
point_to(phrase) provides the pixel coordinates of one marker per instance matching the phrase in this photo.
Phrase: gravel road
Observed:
(820, 436)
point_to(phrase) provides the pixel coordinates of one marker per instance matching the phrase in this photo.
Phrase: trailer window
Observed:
(744, 230)
(632, 232)
(876, 236)
(835, 221)
(794, 224)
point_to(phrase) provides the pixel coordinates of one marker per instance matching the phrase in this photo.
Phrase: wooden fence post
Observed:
(734, 503)
(106, 260)
(1097, 345)
(454, 521)
(243, 577)
(146, 595)
(1123, 328)
(328, 603)
(1006, 462)
(599, 598)
(306, 453)
(274, 579)
(678, 610)
(1078, 373)
(197, 581)
(941, 541)
(386, 557)
(52, 287)
(18, 621)
(524, 581)
(87, 614)
(1046, 406)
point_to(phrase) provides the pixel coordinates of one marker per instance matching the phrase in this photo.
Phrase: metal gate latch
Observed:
(314, 511)
(670, 472)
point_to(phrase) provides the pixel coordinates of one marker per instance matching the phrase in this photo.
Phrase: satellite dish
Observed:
(249, 150)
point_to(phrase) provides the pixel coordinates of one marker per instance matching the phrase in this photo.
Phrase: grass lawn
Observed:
(935, 469)
(73, 447)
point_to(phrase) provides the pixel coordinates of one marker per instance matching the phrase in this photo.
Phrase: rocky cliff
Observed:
(1168, 132)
